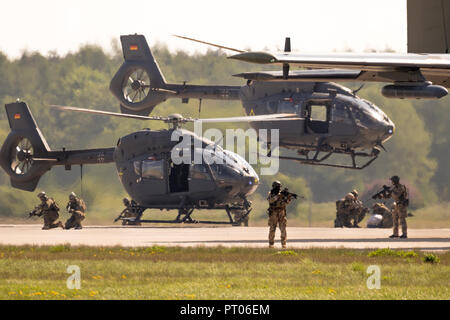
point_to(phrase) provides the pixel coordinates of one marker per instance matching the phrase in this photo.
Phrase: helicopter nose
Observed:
(249, 184)
(389, 130)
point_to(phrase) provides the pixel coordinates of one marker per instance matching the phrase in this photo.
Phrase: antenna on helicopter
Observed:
(356, 91)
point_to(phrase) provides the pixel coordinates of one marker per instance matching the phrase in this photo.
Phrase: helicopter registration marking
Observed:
(100, 158)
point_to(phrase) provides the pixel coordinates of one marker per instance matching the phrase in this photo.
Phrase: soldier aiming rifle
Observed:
(49, 210)
(278, 200)
(399, 209)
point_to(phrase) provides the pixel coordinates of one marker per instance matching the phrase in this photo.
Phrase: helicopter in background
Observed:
(144, 164)
(332, 120)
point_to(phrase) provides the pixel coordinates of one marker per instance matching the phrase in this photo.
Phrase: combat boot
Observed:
(393, 236)
(403, 236)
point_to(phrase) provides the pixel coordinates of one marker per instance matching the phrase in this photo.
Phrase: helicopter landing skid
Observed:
(318, 161)
(184, 216)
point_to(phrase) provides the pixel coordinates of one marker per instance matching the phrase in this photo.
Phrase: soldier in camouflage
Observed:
(77, 208)
(344, 207)
(49, 210)
(382, 217)
(358, 212)
(240, 217)
(131, 212)
(399, 193)
(277, 212)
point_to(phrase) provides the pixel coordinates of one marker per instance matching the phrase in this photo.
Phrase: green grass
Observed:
(31, 272)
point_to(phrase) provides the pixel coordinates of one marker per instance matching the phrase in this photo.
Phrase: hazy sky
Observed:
(314, 26)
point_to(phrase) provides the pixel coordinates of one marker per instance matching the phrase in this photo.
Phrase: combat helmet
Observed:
(349, 196)
(42, 194)
(355, 193)
(276, 183)
(126, 202)
(395, 179)
(72, 196)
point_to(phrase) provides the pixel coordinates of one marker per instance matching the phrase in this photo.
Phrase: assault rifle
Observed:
(285, 192)
(35, 212)
(384, 193)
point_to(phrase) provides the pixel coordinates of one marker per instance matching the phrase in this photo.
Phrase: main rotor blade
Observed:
(263, 117)
(210, 44)
(107, 113)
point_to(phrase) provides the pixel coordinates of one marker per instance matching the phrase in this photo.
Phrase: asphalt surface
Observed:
(425, 239)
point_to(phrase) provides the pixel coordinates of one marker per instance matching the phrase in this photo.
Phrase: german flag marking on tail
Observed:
(134, 47)
(17, 116)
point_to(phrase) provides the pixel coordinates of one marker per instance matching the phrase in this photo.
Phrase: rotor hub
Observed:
(136, 84)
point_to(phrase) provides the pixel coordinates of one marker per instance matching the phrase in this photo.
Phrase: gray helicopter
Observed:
(332, 120)
(144, 162)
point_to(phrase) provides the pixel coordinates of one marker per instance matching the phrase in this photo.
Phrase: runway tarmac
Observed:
(425, 239)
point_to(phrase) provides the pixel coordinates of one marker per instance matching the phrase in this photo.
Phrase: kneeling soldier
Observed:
(49, 210)
(77, 208)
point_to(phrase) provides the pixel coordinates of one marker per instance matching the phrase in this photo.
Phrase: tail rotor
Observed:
(137, 86)
(22, 157)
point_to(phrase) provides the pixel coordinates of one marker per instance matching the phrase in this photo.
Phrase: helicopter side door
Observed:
(178, 175)
(200, 179)
(151, 175)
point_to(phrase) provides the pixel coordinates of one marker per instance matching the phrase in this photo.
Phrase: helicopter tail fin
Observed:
(139, 83)
(24, 144)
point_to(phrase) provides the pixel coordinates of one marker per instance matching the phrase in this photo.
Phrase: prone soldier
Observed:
(49, 210)
(77, 208)
(278, 200)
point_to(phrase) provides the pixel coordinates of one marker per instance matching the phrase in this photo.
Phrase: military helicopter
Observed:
(332, 119)
(144, 163)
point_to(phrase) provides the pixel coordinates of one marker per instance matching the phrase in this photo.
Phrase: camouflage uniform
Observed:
(49, 209)
(382, 210)
(76, 207)
(358, 212)
(399, 208)
(239, 217)
(131, 211)
(344, 208)
(277, 215)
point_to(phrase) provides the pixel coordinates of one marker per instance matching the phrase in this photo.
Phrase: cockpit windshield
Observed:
(375, 112)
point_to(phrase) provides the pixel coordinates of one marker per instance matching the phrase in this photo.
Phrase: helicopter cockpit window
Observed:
(223, 171)
(360, 116)
(287, 106)
(200, 171)
(152, 169)
(318, 112)
(341, 115)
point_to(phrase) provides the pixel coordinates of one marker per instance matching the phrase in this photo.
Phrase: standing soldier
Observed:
(49, 209)
(278, 200)
(399, 193)
(76, 207)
